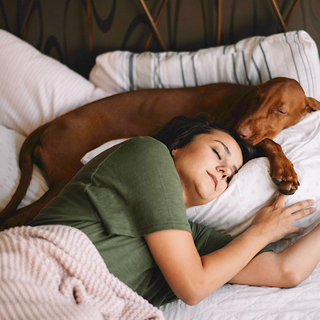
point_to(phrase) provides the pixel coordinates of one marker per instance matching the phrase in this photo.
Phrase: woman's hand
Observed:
(275, 219)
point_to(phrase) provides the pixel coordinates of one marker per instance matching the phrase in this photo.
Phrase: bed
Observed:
(35, 89)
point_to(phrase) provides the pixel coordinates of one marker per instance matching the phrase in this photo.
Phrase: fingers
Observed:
(279, 200)
(277, 219)
(294, 216)
(296, 207)
(302, 213)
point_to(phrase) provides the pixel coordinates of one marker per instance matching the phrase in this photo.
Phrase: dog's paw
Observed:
(285, 177)
(282, 170)
(286, 187)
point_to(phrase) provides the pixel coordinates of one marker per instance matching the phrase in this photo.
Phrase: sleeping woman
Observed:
(131, 202)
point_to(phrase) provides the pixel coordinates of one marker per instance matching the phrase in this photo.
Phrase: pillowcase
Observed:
(250, 61)
(93, 153)
(35, 88)
(10, 145)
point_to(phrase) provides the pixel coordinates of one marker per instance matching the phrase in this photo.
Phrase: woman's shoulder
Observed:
(145, 149)
(146, 142)
(141, 151)
(140, 146)
(143, 146)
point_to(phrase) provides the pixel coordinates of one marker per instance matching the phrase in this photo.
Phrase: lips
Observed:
(215, 180)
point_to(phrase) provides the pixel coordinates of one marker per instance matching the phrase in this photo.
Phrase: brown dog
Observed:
(258, 113)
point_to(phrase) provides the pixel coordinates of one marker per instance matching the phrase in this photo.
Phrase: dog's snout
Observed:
(244, 132)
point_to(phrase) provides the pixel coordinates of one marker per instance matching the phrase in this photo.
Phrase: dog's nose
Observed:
(244, 132)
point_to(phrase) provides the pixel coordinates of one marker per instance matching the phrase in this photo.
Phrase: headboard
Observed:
(61, 30)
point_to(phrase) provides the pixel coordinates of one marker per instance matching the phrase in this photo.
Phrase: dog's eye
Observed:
(281, 111)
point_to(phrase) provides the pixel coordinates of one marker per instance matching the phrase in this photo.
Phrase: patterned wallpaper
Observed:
(59, 28)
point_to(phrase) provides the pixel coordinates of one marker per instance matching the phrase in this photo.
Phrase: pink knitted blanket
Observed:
(55, 272)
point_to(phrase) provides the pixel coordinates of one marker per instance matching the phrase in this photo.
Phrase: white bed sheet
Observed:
(241, 302)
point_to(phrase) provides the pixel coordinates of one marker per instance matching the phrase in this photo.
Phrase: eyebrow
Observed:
(225, 147)
(229, 153)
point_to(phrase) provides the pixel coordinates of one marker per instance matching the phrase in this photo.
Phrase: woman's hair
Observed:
(182, 130)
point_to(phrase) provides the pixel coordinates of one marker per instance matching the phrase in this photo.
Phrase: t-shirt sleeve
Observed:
(136, 190)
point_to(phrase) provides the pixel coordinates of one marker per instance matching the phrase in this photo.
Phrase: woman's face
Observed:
(206, 165)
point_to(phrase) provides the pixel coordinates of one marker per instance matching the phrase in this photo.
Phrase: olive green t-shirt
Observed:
(121, 195)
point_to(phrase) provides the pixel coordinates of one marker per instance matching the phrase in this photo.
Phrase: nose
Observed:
(244, 132)
(225, 172)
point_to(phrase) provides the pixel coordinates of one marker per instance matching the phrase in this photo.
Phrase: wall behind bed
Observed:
(60, 29)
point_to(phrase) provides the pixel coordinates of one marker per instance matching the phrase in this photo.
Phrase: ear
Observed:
(173, 152)
(313, 104)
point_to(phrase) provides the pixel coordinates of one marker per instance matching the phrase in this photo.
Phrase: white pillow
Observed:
(35, 88)
(250, 61)
(10, 145)
(91, 154)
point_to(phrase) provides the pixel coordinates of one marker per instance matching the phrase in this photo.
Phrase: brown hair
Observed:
(182, 130)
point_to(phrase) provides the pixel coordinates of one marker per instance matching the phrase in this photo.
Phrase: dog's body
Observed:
(258, 113)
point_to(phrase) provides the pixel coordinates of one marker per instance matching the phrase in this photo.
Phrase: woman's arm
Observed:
(192, 278)
(287, 268)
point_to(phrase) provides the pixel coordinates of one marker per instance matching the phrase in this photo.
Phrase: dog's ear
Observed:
(313, 104)
(252, 98)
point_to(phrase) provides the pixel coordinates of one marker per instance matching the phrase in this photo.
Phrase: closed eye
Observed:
(281, 111)
(217, 153)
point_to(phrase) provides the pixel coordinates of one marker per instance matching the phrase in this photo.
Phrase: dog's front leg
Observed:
(282, 170)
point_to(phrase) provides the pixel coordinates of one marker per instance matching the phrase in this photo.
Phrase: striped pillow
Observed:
(250, 61)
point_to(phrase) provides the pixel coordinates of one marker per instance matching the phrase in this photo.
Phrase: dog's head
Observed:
(271, 107)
